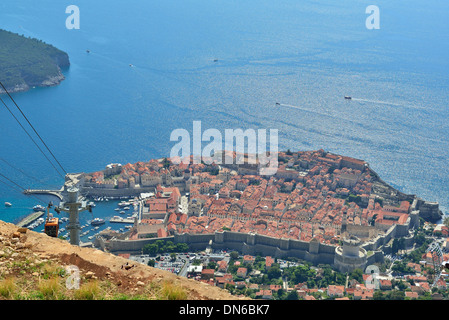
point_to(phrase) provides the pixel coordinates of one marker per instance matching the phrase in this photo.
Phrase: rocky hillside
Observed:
(36, 266)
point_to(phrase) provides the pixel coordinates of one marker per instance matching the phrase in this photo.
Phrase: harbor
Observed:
(103, 218)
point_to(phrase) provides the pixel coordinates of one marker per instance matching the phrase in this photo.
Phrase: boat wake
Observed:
(377, 102)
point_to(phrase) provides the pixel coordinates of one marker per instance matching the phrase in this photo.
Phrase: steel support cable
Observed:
(63, 170)
(20, 170)
(13, 187)
(28, 134)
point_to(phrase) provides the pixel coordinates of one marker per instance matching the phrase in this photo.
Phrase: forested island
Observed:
(28, 62)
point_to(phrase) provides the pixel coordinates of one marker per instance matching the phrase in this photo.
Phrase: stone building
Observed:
(350, 255)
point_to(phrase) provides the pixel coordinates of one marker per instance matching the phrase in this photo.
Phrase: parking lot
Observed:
(181, 263)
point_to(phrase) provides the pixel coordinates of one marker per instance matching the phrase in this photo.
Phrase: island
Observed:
(27, 62)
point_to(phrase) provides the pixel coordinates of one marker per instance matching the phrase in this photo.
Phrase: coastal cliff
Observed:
(26, 63)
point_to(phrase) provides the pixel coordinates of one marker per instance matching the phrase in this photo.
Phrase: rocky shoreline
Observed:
(51, 81)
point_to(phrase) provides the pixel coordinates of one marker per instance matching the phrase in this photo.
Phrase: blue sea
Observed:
(151, 70)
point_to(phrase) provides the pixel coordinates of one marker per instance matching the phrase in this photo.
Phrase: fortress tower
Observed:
(350, 255)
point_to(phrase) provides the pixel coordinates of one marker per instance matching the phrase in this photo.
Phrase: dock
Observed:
(121, 220)
(30, 218)
(56, 193)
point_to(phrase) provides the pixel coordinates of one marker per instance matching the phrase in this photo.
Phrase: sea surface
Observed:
(151, 69)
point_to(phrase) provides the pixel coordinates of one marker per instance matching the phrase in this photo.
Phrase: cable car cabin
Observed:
(52, 227)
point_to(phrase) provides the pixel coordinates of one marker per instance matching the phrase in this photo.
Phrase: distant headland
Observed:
(28, 62)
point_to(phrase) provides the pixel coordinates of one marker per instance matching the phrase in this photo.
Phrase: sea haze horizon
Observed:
(154, 67)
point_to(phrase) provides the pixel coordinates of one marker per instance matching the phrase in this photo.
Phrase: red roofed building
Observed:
(241, 272)
(411, 295)
(207, 274)
(335, 291)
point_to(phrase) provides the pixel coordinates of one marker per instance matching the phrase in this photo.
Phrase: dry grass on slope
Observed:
(34, 266)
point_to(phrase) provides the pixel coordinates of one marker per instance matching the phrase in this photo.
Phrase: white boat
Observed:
(8, 204)
(97, 221)
(38, 208)
(123, 204)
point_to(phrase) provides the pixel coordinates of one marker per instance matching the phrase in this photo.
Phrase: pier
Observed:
(56, 193)
(30, 218)
(121, 220)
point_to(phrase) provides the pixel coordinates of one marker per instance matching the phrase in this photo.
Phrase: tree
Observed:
(182, 247)
(357, 274)
(234, 255)
(378, 295)
(396, 295)
(166, 163)
(211, 265)
(151, 263)
(419, 239)
(151, 249)
(446, 221)
(292, 295)
(274, 271)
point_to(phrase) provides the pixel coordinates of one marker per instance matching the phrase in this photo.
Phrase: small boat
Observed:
(215, 60)
(38, 208)
(348, 97)
(8, 204)
(88, 51)
(97, 221)
(278, 104)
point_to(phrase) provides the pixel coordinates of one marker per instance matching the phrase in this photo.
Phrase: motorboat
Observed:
(97, 221)
(38, 208)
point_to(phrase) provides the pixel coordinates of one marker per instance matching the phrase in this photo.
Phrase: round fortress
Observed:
(350, 255)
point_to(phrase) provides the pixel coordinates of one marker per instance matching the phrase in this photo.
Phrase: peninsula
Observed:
(322, 221)
(27, 62)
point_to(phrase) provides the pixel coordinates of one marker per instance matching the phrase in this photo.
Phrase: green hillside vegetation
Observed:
(27, 62)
